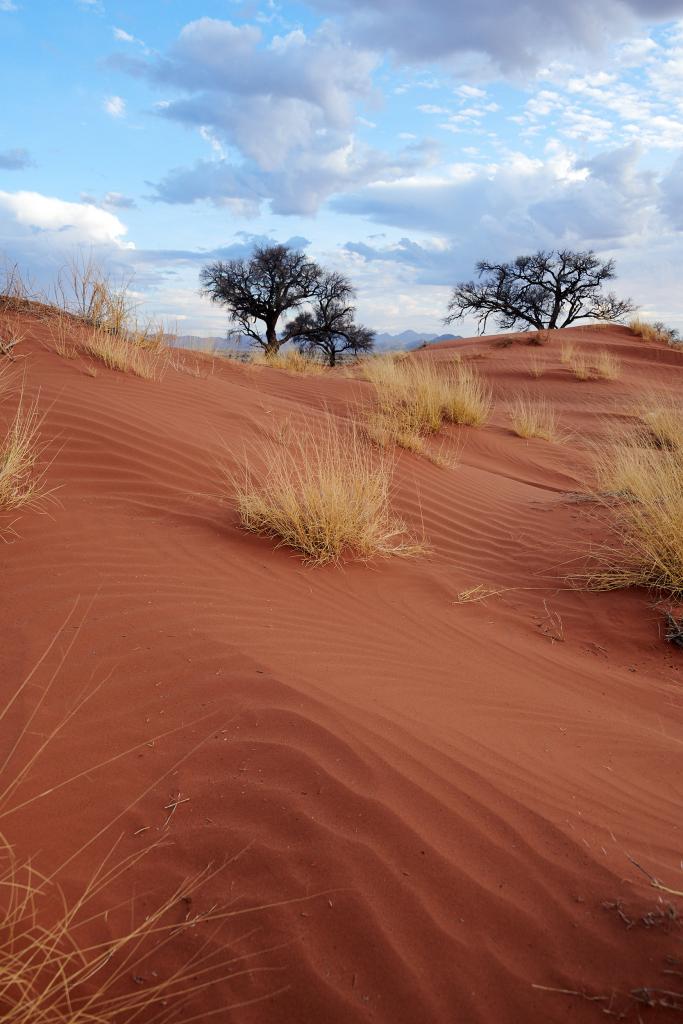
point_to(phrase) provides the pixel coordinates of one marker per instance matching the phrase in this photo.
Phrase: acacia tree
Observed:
(545, 291)
(329, 326)
(259, 290)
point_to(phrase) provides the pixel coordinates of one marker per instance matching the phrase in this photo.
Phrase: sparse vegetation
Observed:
(567, 353)
(606, 366)
(22, 482)
(326, 495)
(663, 416)
(581, 367)
(122, 353)
(657, 332)
(534, 417)
(536, 366)
(290, 359)
(641, 488)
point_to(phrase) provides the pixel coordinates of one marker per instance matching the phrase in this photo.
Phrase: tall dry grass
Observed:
(663, 417)
(534, 417)
(655, 332)
(326, 494)
(580, 366)
(605, 365)
(139, 356)
(22, 480)
(536, 366)
(415, 397)
(641, 488)
(567, 353)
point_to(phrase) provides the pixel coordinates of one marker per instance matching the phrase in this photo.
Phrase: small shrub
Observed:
(534, 417)
(606, 366)
(327, 495)
(539, 338)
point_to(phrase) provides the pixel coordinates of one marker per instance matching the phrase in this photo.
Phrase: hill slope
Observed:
(447, 791)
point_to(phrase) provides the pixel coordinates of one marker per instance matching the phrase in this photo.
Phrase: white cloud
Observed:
(115, 106)
(8, 5)
(62, 222)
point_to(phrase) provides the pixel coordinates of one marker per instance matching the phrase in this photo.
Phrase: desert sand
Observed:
(427, 800)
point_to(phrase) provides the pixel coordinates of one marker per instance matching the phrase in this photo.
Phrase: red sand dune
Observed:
(447, 792)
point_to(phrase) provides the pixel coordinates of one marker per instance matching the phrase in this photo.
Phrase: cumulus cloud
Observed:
(34, 213)
(279, 113)
(15, 159)
(606, 203)
(512, 38)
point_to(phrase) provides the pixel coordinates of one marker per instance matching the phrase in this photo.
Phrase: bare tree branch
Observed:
(545, 290)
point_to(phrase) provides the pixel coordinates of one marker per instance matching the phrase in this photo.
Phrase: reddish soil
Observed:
(439, 796)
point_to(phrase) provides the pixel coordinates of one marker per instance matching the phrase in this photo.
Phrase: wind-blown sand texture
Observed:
(447, 789)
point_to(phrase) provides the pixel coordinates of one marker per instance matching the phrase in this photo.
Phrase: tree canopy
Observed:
(545, 290)
(259, 290)
(329, 326)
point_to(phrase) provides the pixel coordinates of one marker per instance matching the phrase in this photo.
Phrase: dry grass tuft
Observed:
(63, 332)
(50, 971)
(536, 366)
(327, 495)
(415, 397)
(534, 417)
(663, 416)
(641, 487)
(22, 483)
(121, 353)
(467, 398)
(290, 360)
(567, 353)
(581, 367)
(656, 332)
(606, 366)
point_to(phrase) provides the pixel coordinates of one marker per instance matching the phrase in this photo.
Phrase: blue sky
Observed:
(398, 141)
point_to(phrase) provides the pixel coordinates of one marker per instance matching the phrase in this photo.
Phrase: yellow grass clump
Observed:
(534, 417)
(657, 332)
(641, 487)
(290, 360)
(536, 366)
(663, 416)
(118, 352)
(415, 397)
(581, 367)
(21, 481)
(567, 353)
(606, 366)
(327, 495)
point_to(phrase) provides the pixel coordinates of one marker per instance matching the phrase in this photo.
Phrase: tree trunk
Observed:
(272, 344)
(333, 357)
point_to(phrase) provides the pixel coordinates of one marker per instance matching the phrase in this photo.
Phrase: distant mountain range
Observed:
(383, 340)
(409, 339)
